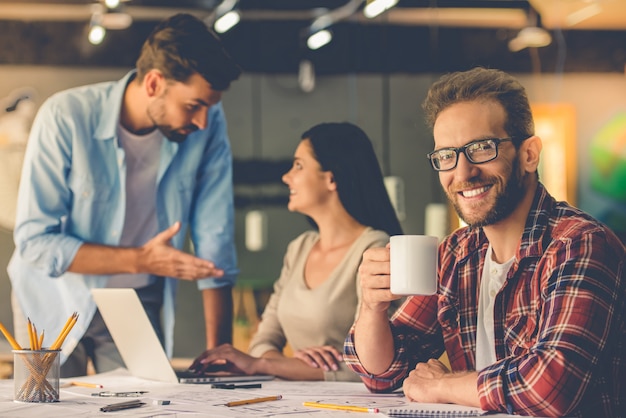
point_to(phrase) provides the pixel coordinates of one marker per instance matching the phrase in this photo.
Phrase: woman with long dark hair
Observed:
(337, 183)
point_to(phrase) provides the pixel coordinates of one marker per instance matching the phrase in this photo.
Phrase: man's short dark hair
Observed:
(482, 84)
(183, 45)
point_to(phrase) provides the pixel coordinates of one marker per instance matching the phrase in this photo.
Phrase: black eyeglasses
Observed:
(477, 152)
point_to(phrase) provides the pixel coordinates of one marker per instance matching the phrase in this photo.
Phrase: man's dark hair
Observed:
(183, 45)
(481, 84)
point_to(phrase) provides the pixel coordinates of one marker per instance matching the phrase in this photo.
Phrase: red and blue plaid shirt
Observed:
(559, 318)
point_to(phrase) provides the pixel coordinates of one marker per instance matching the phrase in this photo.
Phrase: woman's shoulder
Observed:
(304, 240)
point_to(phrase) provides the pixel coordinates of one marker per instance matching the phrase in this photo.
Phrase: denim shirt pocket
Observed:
(87, 190)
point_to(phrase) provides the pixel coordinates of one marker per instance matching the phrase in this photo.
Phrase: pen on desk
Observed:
(86, 385)
(351, 408)
(255, 400)
(121, 394)
(122, 405)
(234, 386)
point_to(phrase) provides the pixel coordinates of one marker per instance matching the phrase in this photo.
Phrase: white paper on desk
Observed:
(352, 389)
(198, 400)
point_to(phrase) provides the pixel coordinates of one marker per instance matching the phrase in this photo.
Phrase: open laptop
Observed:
(139, 345)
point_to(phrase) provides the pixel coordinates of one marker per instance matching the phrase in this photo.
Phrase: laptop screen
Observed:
(139, 345)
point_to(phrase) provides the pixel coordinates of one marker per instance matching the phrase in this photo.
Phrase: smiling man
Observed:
(530, 306)
(115, 174)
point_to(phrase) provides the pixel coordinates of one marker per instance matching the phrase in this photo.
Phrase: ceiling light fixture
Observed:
(318, 33)
(532, 36)
(225, 17)
(226, 22)
(319, 39)
(97, 32)
(112, 4)
(375, 7)
(103, 19)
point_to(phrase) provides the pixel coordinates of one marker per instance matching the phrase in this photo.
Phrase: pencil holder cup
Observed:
(36, 375)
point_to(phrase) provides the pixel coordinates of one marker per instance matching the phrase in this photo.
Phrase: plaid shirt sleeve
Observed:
(417, 338)
(552, 367)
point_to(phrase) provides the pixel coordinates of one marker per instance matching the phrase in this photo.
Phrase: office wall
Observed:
(268, 113)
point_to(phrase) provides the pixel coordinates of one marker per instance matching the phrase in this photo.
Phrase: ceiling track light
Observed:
(318, 33)
(374, 8)
(319, 39)
(227, 21)
(225, 16)
(112, 4)
(532, 36)
(106, 15)
(97, 32)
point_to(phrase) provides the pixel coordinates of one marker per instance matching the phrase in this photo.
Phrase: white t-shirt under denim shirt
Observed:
(142, 153)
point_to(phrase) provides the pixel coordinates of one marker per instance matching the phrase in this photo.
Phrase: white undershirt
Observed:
(140, 223)
(493, 277)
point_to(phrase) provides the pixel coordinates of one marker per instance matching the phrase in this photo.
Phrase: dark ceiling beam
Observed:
(275, 47)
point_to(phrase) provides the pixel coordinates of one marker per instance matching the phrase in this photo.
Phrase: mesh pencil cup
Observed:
(36, 375)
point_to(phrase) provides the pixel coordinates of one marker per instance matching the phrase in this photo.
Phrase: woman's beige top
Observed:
(307, 317)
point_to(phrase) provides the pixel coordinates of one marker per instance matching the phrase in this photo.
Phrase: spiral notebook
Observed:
(434, 410)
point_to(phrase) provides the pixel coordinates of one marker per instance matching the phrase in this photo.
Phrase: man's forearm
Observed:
(373, 340)
(102, 259)
(218, 316)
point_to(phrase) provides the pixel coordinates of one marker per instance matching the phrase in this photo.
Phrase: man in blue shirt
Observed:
(114, 175)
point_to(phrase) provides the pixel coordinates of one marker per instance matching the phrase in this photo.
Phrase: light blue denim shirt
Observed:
(72, 190)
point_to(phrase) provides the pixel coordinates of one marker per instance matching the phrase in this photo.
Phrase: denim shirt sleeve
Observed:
(45, 197)
(212, 212)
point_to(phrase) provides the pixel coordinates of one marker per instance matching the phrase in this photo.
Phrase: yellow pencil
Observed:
(87, 385)
(351, 408)
(14, 345)
(255, 400)
(66, 330)
(67, 324)
(40, 342)
(35, 337)
(31, 340)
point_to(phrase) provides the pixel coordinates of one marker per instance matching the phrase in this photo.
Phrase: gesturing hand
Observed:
(325, 357)
(158, 257)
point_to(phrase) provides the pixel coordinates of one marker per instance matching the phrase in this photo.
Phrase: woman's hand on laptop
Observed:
(227, 358)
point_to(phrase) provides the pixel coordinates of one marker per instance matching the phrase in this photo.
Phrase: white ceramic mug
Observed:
(413, 264)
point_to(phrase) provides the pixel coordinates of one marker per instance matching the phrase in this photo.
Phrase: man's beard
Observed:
(506, 202)
(177, 135)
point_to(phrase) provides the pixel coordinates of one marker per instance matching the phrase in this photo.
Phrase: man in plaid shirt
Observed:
(531, 298)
